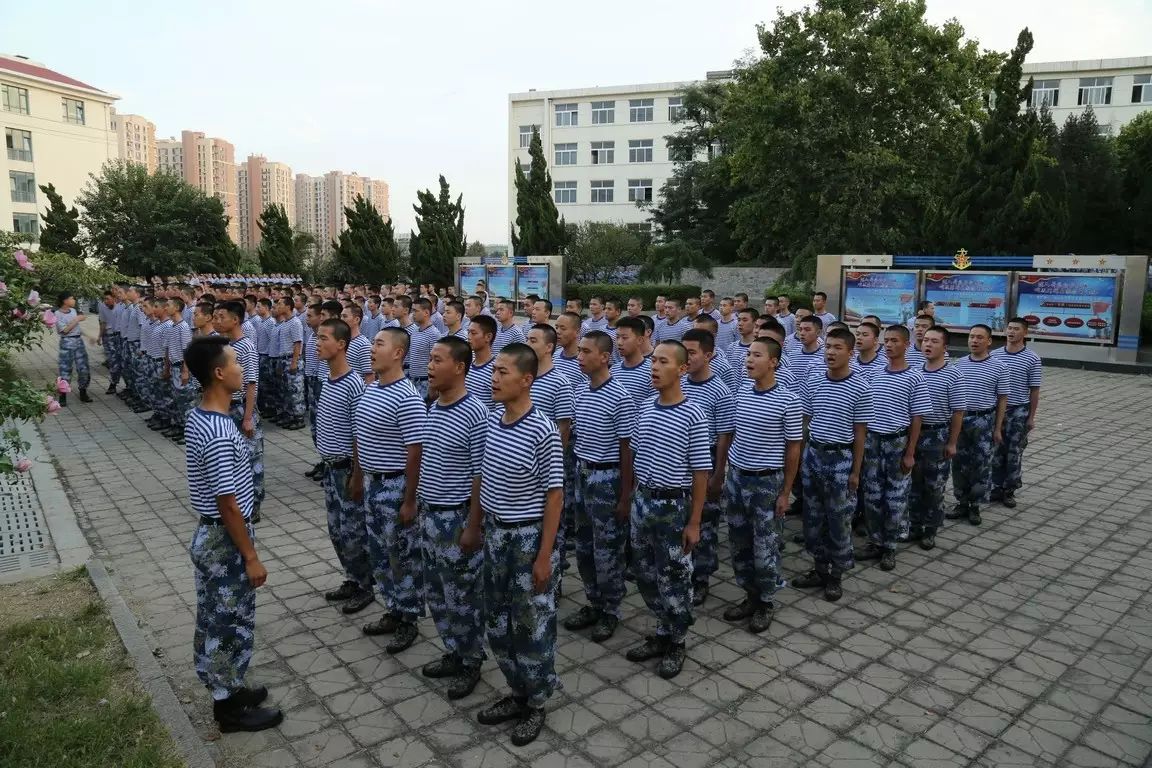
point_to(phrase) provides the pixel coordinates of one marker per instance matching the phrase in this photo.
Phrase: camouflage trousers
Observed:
(521, 623)
(421, 386)
(393, 548)
(225, 611)
(290, 405)
(929, 480)
(750, 507)
(600, 537)
(74, 355)
(165, 398)
(452, 581)
(112, 343)
(1007, 464)
(129, 350)
(255, 450)
(828, 507)
(157, 387)
(663, 569)
(884, 486)
(346, 528)
(313, 385)
(705, 559)
(567, 528)
(189, 398)
(265, 386)
(142, 367)
(972, 467)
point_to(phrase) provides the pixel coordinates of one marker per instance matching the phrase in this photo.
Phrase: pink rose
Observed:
(52, 405)
(18, 313)
(48, 318)
(33, 298)
(3, 289)
(62, 386)
(22, 465)
(22, 261)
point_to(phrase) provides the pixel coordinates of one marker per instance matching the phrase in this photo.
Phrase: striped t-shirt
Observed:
(264, 326)
(722, 367)
(218, 463)
(714, 398)
(870, 369)
(946, 389)
(360, 355)
(505, 336)
(594, 324)
(897, 396)
(727, 333)
(159, 348)
(670, 442)
(522, 462)
(287, 334)
(764, 423)
(570, 367)
(802, 363)
(737, 355)
(914, 357)
(336, 413)
(389, 418)
(552, 395)
(637, 380)
(605, 415)
(478, 383)
(249, 361)
(985, 381)
(835, 406)
(1025, 370)
(453, 450)
(666, 331)
(63, 318)
(179, 337)
(420, 350)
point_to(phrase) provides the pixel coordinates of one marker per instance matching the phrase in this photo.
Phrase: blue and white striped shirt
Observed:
(765, 421)
(134, 321)
(336, 414)
(420, 350)
(552, 395)
(802, 363)
(897, 396)
(218, 463)
(249, 361)
(714, 398)
(523, 461)
(160, 339)
(360, 355)
(593, 324)
(914, 357)
(727, 333)
(1025, 370)
(835, 406)
(453, 453)
(605, 415)
(670, 442)
(370, 325)
(63, 317)
(737, 355)
(722, 367)
(789, 323)
(104, 312)
(985, 381)
(389, 418)
(637, 380)
(666, 331)
(286, 335)
(478, 383)
(946, 389)
(570, 367)
(179, 337)
(869, 370)
(505, 336)
(264, 328)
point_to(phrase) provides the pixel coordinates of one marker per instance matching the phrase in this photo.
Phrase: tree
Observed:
(58, 235)
(366, 250)
(476, 250)
(667, 261)
(601, 252)
(439, 237)
(154, 224)
(281, 250)
(1092, 177)
(1134, 154)
(539, 230)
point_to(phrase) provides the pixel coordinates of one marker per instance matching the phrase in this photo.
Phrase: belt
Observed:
(890, 435)
(205, 520)
(935, 427)
(597, 465)
(337, 462)
(516, 524)
(757, 472)
(445, 507)
(983, 412)
(822, 446)
(389, 475)
(236, 402)
(1021, 405)
(418, 378)
(666, 494)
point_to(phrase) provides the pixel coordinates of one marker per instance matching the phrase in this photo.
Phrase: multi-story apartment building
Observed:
(1117, 89)
(207, 163)
(57, 130)
(260, 184)
(136, 137)
(321, 200)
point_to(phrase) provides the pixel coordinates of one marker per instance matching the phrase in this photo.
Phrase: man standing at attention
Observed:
(633, 371)
(507, 332)
(478, 380)
(72, 352)
(596, 320)
(424, 336)
(359, 351)
(672, 327)
(820, 308)
(227, 319)
(987, 386)
(1025, 374)
(727, 333)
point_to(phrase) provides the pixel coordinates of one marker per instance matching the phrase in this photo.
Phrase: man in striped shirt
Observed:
(264, 325)
(227, 569)
(313, 378)
(784, 314)
(227, 319)
(708, 304)
(986, 386)
(746, 324)
(596, 320)
(672, 467)
(454, 320)
(718, 363)
(567, 348)
(359, 351)
(869, 361)
(673, 326)
(633, 371)
(288, 338)
(177, 377)
(806, 353)
(727, 333)
(424, 334)
(763, 460)
(819, 308)
(919, 326)
(481, 332)
(1025, 375)
(161, 390)
(507, 332)
(518, 508)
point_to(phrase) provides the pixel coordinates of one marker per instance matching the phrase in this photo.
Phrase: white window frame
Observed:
(1045, 92)
(33, 218)
(16, 193)
(640, 150)
(640, 190)
(73, 110)
(564, 154)
(603, 191)
(20, 95)
(603, 112)
(526, 135)
(567, 115)
(564, 192)
(21, 152)
(1142, 89)
(639, 227)
(641, 110)
(1096, 91)
(603, 152)
(675, 108)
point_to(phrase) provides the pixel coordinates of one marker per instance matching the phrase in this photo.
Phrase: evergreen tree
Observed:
(61, 225)
(439, 237)
(1091, 171)
(1134, 150)
(539, 230)
(276, 251)
(366, 250)
(476, 250)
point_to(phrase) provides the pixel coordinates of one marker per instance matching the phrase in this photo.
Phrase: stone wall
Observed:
(726, 281)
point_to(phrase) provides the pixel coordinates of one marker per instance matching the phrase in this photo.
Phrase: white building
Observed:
(606, 147)
(57, 130)
(1117, 89)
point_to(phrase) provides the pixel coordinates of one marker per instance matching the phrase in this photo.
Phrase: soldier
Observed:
(784, 314)
(518, 509)
(727, 332)
(478, 380)
(807, 352)
(673, 326)
(567, 348)
(719, 362)
(373, 321)
(454, 320)
(740, 303)
(178, 338)
(919, 325)
(110, 313)
(72, 351)
(129, 346)
(819, 308)
(601, 487)
(423, 335)
(672, 470)
(161, 390)
(869, 357)
(389, 426)
(746, 324)
(596, 320)
(986, 389)
(1025, 372)
(263, 325)
(837, 406)
(635, 306)
(708, 304)
(227, 569)
(507, 332)
(633, 371)
(313, 378)
(763, 460)
(691, 308)
(289, 345)
(359, 351)
(226, 319)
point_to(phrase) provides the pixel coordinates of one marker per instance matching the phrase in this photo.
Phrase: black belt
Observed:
(445, 507)
(598, 465)
(890, 435)
(517, 524)
(1021, 405)
(757, 472)
(205, 520)
(936, 427)
(666, 494)
(389, 475)
(344, 462)
(235, 402)
(822, 446)
(983, 412)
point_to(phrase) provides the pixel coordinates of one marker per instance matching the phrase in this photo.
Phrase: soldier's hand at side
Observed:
(854, 482)
(691, 536)
(949, 450)
(1030, 424)
(623, 509)
(247, 428)
(906, 463)
(782, 506)
(541, 574)
(997, 436)
(470, 539)
(407, 512)
(715, 486)
(256, 572)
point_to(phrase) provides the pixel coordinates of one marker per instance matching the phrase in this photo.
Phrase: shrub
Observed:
(1146, 320)
(646, 291)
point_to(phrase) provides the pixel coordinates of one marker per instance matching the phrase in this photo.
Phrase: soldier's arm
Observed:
(233, 520)
(859, 436)
(1033, 405)
(1001, 409)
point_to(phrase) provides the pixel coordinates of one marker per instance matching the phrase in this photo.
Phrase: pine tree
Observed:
(1134, 149)
(366, 251)
(61, 225)
(539, 229)
(1091, 171)
(276, 252)
(439, 237)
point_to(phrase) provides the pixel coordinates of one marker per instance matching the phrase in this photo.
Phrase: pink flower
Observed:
(22, 465)
(3, 289)
(52, 405)
(33, 298)
(48, 318)
(18, 313)
(23, 262)
(62, 386)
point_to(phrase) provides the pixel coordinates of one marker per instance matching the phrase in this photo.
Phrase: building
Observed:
(321, 200)
(136, 138)
(207, 163)
(259, 184)
(57, 130)
(1117, 89)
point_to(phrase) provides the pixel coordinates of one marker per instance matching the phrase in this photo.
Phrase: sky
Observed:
(405, 91)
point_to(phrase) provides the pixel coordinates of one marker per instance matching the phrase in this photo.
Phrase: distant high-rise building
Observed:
(260, 184)
(207, 163)
(321, 200)
(136, 136)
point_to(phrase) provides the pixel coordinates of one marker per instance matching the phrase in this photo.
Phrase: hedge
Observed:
(646, 291)
(1146, 320)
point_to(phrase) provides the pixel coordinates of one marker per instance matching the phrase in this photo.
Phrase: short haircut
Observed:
(547, 304)
(773, 346)
(399, 336)
(487, 324)
(742, 297)
(548, 331)
(387, 300)
(205, 307)
(203, 355)
(980, 326)
(813, 320)
(316, 307)
(1018, 321)
(844, 335)
(250, 297)
(355, 311)
(507, 303)
(750, 311)
(287, 301)
(821, 294)
(634, 324)
(423, 304)
(572, 317)
(523, 357)
(595, 298)
(332, 307)
(708, 292)
(458, 349)
(706, 339)
(922, 316)
(600, 340)
(769, 323)
(678, 348)
(234, 308)
(404, 301)
(266, 303)
(705, 320)
(900, 330)
(613, 303)
(673, 300)
(922, 305)
(836, 324)
(339, 330)
(178, 302)
(649, 323)
(110, 292)
(639, 300)
(456, 305)
(940, 330)
(875, 329)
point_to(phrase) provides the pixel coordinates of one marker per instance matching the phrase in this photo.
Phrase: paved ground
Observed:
(1025, 642)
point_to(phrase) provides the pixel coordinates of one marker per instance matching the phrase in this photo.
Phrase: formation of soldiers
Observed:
(462, 453)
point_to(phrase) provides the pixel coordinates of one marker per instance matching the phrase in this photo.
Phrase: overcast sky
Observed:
(404, 91)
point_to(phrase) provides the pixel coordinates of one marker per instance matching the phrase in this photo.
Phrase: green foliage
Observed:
(154, 224)
(57, 273)
(439, 237)
(799, 294)
(1092, 177)
(58, 235)
(647, 291)
(600, 252)
(1146, 318)
(476, 250)
(1134, 150)
(366, 250)
(667, 261)
(541, 231)
(281, 250)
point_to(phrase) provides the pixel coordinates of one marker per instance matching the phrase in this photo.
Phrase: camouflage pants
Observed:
(884, 486)
(393, 549)
(750, 505)
(1007, 465)
(189, 399)
(74, 355)
(128, 352)
(929, 481)
(315, 384)
(265, 386)
(452, 581)
(346, 528)
(972, 467)
(165, 398)
(292, 394)
(521, 624)
(112, 356)
(600, 538)
(421, 385)
(225, 611)
(255, 450)
(663, 568)
(568, 518)
(828, 506)
(140, 367)
(156, 386)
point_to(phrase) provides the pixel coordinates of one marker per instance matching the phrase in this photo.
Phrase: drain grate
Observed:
(23, 534)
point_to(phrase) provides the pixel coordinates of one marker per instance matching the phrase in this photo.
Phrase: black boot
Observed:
(111, 390)
(84, 395)
(233, 715)
(63, 400)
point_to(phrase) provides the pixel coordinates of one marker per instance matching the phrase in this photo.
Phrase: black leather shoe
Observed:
(672, 662)
(315, 472)
(1009, 499)
(111, 390)
(582, 619)
(403, 638)
(832, 589)
(358, 602)
(798, 538)
(232, 716)
(699, 594)
(605, 628)
(974, 516)
(346, 590)
(464, 683)
(251, 696)
(811, 580)
(959, 512)
(508, 708)
(888, 559)
(996, 495)
(928, 541)
(84, 396)
(761, 618)
(870, 552)
(741, 611)
(385, 625)
(526, 731)
(448, 665)
(653, 647)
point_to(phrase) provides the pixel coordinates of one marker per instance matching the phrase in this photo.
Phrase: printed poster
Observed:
(532, 278)
(888, 294)
(1077, 307)
(965, 299)
(501, 280)
(468, 276)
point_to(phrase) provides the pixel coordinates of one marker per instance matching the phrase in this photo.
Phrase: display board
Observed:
(467, 275)
(1068, 307)
(965, 299)
(887, 293)
(531, 278)
(501, 281)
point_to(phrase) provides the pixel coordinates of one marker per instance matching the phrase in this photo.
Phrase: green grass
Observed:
(67, 696)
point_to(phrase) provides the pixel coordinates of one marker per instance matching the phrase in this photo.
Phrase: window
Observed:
(603, 112)
(675, 108)
(640, 110)
(19, 144)
(1094, 90)
(640, 151)
(526, 167)
(27, 224)
(566, 114)
(526, 135)
(73, 111)
(603, 152)
(639, 190)
(715, 149)
(564, 192)
(15, 99)
(565, 154)
(1046, 92)
(23, 186)
(1142, 89)
(640, 228)
(603, 191)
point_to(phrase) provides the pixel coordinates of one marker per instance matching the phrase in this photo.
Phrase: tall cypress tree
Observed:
(1091, 170)
(366, 250)
(61, 225)
(439, 237)
(539, 228)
